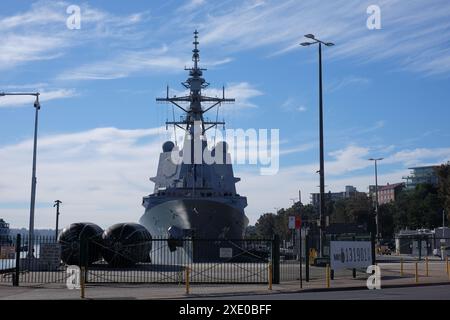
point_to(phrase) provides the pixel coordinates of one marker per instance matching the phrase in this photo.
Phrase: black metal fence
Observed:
(169, 261)
(205, 261)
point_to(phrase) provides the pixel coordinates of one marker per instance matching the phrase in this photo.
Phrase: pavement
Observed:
(391, 278)
(435, 292)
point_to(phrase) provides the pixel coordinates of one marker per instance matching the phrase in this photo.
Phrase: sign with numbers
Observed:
(350, 254)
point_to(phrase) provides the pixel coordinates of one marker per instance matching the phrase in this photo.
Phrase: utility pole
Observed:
(322, 166)
(377, 222)
(57, 203)
(443, 218)
(37, 106)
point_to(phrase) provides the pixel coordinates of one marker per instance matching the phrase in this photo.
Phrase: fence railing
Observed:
(208, 260)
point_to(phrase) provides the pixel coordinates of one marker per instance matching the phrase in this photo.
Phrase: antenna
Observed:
(195, 83)
(195, 56)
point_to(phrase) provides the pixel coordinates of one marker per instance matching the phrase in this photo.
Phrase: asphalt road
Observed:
(441, 292)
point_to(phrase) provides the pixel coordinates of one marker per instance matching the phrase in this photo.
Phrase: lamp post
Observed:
(322, 169)
(37, 106)
(57, 203)
(376, 196)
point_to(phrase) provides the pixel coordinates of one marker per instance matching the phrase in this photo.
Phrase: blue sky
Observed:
(386, 94)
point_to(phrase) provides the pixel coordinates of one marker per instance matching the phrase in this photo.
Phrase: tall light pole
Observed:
(37, 106)
(57, 203)
(322, 169)
(376, 196)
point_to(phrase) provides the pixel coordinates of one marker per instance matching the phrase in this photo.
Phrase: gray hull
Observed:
(208, 219)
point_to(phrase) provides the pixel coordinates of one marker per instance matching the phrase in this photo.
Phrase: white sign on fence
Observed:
(291, 222)
(350, 254)
(226, 252)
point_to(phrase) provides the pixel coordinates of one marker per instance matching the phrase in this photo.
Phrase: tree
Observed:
(265, 226)
(386, 215)
(418, 208)
(356, 209)
(443, 173)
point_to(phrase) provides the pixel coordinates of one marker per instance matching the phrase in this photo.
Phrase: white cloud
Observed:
(290, 104)
(127, 64)
(242, 92)
(420, 156)
(348, 81)
(41, 33)
(22, 101)
(191, 5)
(101, 175)
(412, 31)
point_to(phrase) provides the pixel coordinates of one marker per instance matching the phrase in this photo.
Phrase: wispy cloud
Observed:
(411, 33)
(242, 92)
(41, 33)
(290, 104)
(20, 101)
(100, 175)
(191, 5)
(105, 173)
(128, 63)
(349, 81)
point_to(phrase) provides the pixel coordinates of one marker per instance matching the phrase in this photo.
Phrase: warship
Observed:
(191, 198)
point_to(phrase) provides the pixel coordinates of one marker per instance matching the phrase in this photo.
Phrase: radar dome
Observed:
(168, 146)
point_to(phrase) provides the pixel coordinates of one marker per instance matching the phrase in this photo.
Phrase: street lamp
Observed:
(322, 169)
(56, 204)
(37, 106)
(376, 195)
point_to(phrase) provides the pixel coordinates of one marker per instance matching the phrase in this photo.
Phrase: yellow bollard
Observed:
(426, 266)
(82, 282)
(417, 272)
(187, 280)
(270, 276)
(401, 267)
(327, 272)
(446, 264)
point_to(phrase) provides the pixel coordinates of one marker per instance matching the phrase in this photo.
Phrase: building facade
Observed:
(389, 192)
(421, 175)
(350, 191)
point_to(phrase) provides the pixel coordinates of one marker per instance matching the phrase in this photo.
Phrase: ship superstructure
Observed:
(194, 195)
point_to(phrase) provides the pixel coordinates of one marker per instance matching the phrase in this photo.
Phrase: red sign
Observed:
(298, 222)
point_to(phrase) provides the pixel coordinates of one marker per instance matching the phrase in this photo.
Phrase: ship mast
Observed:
(195, 83)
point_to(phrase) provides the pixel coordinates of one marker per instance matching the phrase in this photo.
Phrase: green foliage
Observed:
(270, 224)
(443, 173)
(356, 209)
(418, 208)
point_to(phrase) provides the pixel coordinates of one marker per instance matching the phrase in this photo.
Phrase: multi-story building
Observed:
(350, 191)
(421, 175)
(389, 192)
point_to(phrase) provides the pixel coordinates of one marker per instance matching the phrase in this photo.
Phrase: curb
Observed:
(354, 288)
